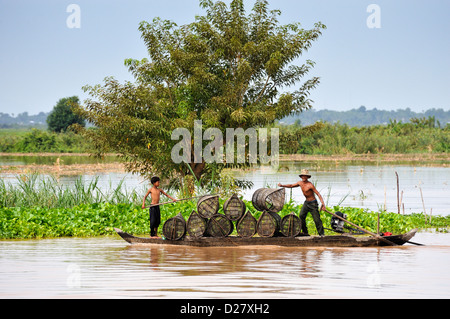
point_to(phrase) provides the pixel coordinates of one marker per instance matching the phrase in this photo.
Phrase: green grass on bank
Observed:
(42, 141)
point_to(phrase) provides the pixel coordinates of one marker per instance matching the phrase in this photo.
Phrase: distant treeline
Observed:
(23, 120)
(355, 117)
(364, 117)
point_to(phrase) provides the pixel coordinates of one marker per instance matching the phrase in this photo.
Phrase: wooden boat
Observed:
(301, 241)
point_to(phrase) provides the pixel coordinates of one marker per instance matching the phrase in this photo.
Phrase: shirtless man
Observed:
(311, 204)
(155, 213)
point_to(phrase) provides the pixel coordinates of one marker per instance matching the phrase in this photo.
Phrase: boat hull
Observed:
(301, 241)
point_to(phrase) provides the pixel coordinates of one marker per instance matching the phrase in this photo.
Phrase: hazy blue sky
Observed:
(405, 63)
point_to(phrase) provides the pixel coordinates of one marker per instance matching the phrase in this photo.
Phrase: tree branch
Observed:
(263, 90)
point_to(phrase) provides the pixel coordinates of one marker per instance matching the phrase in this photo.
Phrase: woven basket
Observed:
(268, 224)
(196, 225)
(175, 228)
(219, 226)
(246, 226)
(269, 199)
(208, 206)
(291, 225)
(234, 208)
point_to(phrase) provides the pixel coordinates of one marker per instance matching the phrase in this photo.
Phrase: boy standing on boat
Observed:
(155, 213)
(311, 204)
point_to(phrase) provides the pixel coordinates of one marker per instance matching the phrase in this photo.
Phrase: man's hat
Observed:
(305, 172)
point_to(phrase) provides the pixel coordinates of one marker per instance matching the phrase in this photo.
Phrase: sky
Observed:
(395, 56)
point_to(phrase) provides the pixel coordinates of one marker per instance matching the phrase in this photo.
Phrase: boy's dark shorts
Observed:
(155, 219)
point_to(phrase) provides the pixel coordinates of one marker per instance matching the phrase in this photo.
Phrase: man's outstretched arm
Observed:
(290, 185)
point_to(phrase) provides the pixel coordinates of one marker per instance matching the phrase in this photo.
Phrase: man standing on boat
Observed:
(311, 204)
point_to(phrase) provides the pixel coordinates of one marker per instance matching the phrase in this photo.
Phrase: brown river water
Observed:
(108, 267)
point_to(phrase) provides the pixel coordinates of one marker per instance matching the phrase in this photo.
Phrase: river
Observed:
(108, 267)
(353, 183)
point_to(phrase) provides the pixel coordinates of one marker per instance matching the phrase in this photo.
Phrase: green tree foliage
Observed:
(37, 141)
(228, 68)
(63, 116)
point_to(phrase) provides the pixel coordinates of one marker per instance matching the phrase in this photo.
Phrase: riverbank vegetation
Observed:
(424, 135)
(41, 208)
(418, 136)
(42, 141)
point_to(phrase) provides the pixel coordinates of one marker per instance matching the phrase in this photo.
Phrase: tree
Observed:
(62, 115)
(228, 69)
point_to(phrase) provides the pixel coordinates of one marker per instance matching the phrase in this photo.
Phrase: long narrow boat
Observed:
(301, 241)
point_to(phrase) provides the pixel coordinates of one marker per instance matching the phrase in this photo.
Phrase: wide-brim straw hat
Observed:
(305, 172)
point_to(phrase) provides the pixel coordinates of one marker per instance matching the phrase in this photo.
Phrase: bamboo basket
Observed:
(268, 224)
(208, 206)
(234, 208)
(269, 199)
(291, 225)
(175, 228)
(196, 225)
(219, 226)
(246, 226)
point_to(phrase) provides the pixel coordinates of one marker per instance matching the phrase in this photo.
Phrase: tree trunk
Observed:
(198, 169)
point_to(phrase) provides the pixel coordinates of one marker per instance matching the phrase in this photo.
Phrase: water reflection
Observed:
(109, 267)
